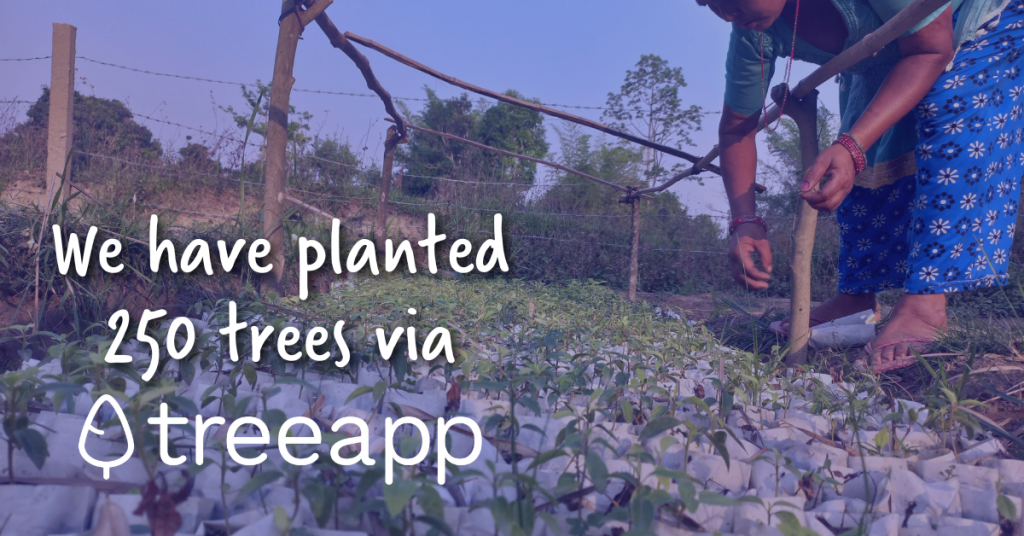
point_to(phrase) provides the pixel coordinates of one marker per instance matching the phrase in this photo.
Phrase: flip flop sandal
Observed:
(778, 329)
(896, 364)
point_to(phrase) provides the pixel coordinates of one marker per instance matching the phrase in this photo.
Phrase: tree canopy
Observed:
(501, 126)
(648, 105)
(104, 126)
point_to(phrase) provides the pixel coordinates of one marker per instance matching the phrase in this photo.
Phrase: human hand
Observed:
(748, 238)
(836, 163)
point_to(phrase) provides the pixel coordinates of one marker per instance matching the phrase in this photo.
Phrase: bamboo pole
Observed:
(60, 124)
(634, 251)
(380, 229)
(805, 113)
(527, 104)
(524, 157)
(870, 45)
(277, 139)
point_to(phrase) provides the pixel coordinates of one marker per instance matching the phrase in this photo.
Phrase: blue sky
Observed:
(565, 51)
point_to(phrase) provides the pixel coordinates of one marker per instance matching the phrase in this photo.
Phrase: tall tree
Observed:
(101, 125)
(619, 163)
(427, 155)
(501, 126)
(514, 129)
(648, 104)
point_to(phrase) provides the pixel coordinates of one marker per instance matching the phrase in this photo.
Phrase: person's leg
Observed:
(968, 163)
(857, 266)
(872, 249)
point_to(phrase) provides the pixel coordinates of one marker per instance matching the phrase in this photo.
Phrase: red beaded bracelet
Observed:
(746, 219)
(860, 161)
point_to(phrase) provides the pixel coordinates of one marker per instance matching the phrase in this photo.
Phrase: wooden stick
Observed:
(524, 157)
(339, 41)
(310, 208)
(870, 45)
(805, 113)
(385, 187)
(526, 104)
(634, 251)
(313, 11)
(277, 141)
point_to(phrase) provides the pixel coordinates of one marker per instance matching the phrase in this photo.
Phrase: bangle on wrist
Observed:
(860, 161)
(746, 219)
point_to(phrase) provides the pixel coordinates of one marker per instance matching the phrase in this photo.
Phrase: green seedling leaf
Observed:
(57, 387)
(718, 439)
(431, 502)
(255, 483)
(562, 414)
(882, 438)
(360, 391)
(715, 499)
(1006, 508)
(398, 494)
(185, 405)
(789, 525)
(727, 403)
(597, 470)
(378, 390)
(321, 501)
(249, 372)
(643, 514)
(490, 385)
(34, 445)
(688, 494)
(274, 418)
(369, 478)
(530, 403)
(546, 456)
(627, 410)
(666, 442)
(657, 426)
(153, 394)
(281, 519)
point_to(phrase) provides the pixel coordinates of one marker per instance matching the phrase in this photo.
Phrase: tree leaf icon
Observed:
(88, 427)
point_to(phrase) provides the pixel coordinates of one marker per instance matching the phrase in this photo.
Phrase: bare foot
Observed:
(916, 318)
(837, 306)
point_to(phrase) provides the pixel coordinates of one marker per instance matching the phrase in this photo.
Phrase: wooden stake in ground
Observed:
(381, 228)
(62, 101)
(277, 139)
(634, 251)
(805, 113)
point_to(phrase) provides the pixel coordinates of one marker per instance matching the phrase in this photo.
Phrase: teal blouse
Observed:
(892, 156)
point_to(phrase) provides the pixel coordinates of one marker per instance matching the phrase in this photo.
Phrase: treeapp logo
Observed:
(105, 465)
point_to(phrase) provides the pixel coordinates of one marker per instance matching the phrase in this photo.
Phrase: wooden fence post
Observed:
(277, 139)
(60, 130)
(805, 113)
(634, 252)
(390, 145)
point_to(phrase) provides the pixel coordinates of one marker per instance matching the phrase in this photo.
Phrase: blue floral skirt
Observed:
(950, 226)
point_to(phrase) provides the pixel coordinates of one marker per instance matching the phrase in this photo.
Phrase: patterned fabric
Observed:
(892, 156)
(949, 226)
